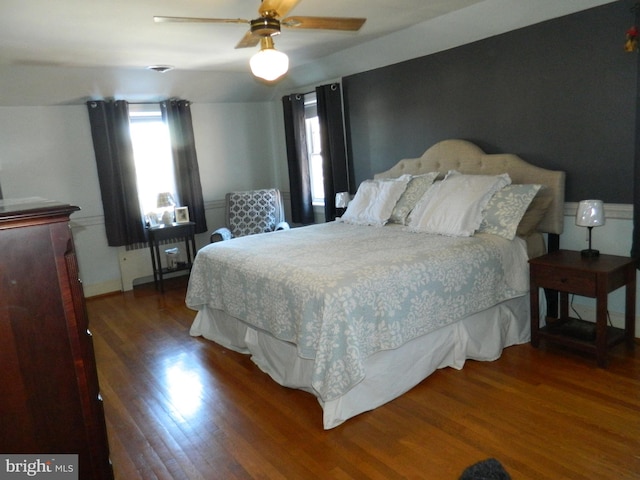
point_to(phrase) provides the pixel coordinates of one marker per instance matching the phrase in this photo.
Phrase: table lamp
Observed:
(590, 214)
(342, 201)
(166, 202)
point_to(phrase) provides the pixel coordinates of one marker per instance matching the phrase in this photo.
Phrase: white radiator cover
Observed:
(134, 264)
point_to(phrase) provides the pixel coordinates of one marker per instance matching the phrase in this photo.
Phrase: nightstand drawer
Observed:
(564, 280)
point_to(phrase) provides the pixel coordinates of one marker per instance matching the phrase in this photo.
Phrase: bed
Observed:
(358, 312)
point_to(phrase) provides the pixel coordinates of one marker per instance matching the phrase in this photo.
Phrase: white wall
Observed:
(48, 152)
(240, 146)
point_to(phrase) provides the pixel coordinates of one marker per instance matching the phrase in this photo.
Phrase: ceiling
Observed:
(122, 33)
(80, 48)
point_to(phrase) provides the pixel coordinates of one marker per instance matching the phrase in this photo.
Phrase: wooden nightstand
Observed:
(568, 272)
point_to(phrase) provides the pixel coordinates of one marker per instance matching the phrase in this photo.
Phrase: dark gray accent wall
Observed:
(561, 94)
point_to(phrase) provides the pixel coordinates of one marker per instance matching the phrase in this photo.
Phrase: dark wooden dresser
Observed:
(49, 396)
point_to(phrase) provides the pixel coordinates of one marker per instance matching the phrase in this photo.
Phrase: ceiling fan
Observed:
(267, 25)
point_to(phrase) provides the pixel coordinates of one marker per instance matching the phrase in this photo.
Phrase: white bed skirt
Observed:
(390, 373)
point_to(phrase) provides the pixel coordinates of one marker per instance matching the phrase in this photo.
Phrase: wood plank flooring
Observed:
(179, 407)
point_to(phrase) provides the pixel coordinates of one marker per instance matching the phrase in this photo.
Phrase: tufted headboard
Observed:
(467, 157)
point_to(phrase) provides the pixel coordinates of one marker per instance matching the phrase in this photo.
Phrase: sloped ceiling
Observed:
(66, 51)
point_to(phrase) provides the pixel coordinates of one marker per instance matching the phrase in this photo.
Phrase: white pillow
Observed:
(374, 201)
(454, 206)
(412, 194)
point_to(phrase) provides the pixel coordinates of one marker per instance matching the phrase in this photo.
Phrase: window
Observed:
(152, 154)
(112, 123)
(314, 148)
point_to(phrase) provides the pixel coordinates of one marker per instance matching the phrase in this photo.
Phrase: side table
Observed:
(568, 272)
(173, 231)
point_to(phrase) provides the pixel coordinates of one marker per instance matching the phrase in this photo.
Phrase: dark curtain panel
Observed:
(297, 159)
(177, 114)
(635, 244)
(334, 155)
(116, 172)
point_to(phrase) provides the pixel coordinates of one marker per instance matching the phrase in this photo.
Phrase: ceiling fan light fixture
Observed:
(269, 63)
(265, 26)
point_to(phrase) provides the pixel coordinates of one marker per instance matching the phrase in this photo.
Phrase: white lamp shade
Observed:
(590, 213)
(342, 199)
(269, 64)
(165, 199)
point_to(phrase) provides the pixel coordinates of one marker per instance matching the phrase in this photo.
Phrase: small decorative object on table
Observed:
(151, 219)
(173, 257)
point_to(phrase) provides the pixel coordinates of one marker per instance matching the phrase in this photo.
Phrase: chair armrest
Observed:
(220, 234)
(282, 226)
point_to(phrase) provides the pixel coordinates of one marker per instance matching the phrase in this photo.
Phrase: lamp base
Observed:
(590, 253)
(167, 217)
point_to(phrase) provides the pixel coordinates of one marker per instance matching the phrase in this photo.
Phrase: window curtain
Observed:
(635, 241)
(297, 159)
(116, 172)
(334, 156)
(177, 114)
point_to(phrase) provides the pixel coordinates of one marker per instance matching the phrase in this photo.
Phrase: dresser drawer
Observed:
(564, 280)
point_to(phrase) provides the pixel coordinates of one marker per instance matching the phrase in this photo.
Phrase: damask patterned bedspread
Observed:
(342, 292)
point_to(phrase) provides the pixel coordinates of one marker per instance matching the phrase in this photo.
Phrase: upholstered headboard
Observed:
(468, 158)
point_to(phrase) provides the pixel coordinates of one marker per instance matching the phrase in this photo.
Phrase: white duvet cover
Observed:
(340, 293)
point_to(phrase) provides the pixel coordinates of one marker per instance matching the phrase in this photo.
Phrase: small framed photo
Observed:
(152, 219)
(182, 214)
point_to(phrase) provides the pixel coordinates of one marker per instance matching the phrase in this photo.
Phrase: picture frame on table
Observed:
(182, 214)
(151, 219)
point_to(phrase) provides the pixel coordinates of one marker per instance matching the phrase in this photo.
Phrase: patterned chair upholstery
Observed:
(251, 212)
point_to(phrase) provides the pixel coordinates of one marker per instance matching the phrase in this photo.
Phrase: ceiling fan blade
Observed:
(277, 8)
(161, 19)
(249, 40)
(328, 23)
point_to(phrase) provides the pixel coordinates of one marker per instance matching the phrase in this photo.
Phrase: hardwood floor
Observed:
(179, 407)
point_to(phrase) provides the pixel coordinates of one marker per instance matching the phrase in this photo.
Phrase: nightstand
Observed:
(174, 231)
(568, 272)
